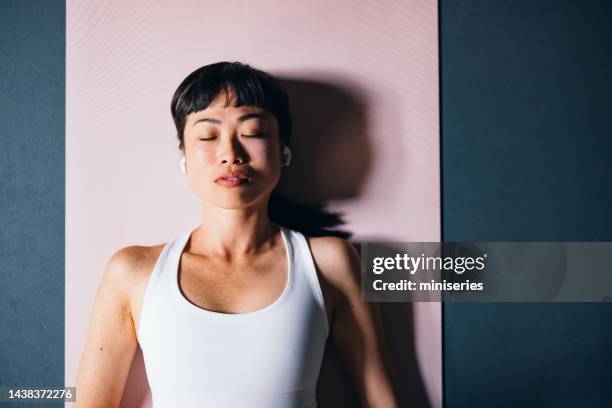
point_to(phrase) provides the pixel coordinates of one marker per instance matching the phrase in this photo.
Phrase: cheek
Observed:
(201, 157)
(265, 155)
(260, 153)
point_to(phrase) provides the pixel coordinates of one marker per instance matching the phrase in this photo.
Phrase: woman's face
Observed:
(233, 154)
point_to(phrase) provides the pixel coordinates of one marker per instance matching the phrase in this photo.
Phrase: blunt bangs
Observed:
(246, 85)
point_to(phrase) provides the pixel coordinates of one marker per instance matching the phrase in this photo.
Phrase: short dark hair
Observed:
(251, 87)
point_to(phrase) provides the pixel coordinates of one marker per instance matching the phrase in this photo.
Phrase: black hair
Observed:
(248, 85)
(252, 87)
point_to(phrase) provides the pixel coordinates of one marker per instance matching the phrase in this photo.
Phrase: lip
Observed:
(232, 179)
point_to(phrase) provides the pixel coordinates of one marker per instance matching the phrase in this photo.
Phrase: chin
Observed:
(234, 198)
(234, 203)
(235, 206)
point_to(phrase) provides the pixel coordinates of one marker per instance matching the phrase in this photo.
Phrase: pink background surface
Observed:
(371, 67)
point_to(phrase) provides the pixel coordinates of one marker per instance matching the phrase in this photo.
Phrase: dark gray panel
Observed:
(32, 94)
(526, 97)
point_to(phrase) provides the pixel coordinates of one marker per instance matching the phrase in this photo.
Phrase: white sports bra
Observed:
(267, 358)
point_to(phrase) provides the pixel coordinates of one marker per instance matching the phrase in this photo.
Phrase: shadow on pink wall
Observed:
(332, 151)
(332, 155)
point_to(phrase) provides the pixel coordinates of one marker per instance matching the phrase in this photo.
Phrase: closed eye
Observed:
(208, 138)
(255, 135)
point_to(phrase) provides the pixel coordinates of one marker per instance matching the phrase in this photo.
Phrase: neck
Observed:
(233, 233)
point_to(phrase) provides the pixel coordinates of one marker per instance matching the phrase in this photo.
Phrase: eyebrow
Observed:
(241, 118)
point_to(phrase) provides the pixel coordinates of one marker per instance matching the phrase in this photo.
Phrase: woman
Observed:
(236, 312)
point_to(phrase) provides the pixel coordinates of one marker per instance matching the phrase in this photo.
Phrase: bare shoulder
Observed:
(128, 272)
(132, 262)
(128, 269)
(337, 260)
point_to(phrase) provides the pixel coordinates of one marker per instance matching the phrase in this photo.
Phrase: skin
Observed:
(235, 235)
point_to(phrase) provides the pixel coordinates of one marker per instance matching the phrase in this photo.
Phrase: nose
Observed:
(231, 151)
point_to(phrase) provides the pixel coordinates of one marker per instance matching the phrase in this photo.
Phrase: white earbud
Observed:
(182, 165)
(287, 154)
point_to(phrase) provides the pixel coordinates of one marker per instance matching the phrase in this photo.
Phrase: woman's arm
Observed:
(356, 326)
(111, 339)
